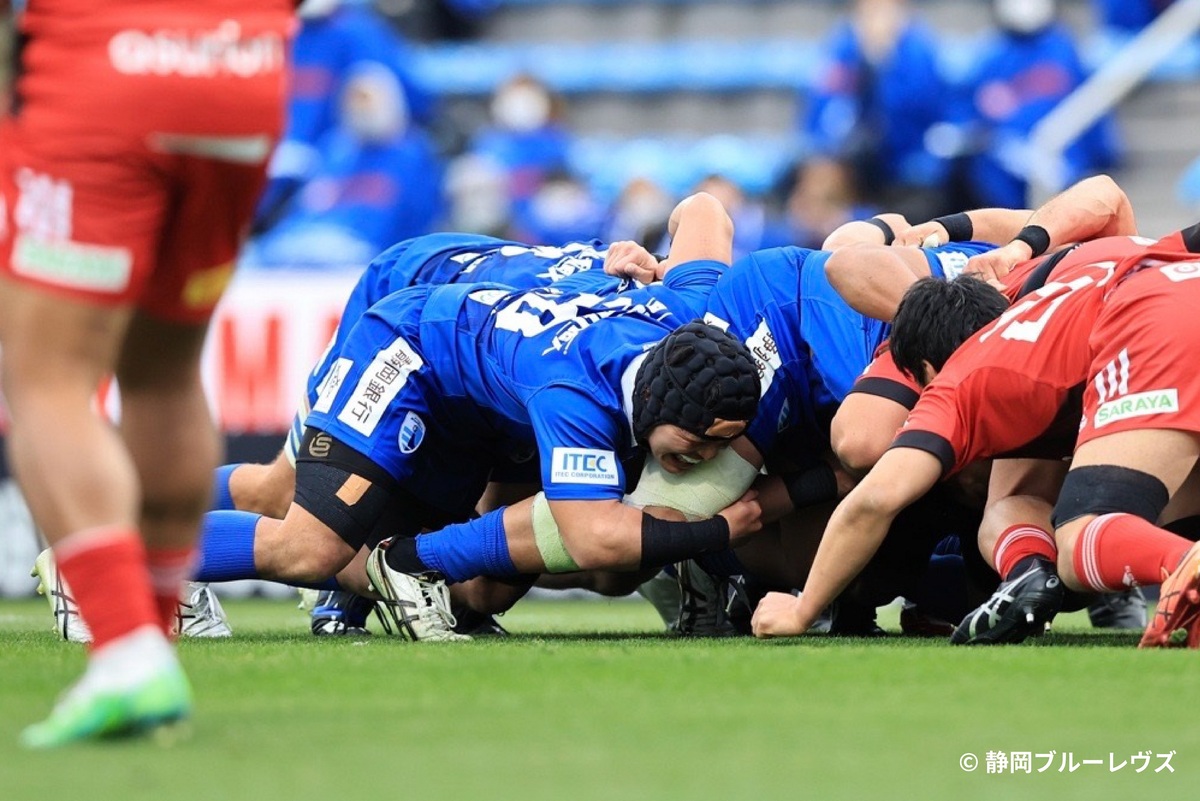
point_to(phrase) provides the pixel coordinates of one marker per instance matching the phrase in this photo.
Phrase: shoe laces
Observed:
(436, 610)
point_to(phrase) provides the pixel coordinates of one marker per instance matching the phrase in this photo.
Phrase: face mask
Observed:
(1023, 17)
(373, 108)
(521, 108)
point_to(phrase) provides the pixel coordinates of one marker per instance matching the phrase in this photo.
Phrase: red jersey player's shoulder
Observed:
(1186, 240)
(1030, 276)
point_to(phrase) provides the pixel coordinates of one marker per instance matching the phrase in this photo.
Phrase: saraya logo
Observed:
(412, 433)
(1139, 404)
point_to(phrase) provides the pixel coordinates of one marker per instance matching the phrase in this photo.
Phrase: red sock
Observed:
(106, 569)
(1019, 542)
(169, 568)
(1120, 550)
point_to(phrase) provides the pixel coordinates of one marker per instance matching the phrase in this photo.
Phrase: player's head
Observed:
(935, 317)
(694, 394)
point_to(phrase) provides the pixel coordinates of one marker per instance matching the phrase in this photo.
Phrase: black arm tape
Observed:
(1037, 237)
(889, 236)
(888, 389)
(814, 485)
(959, 227)
(665, 542)
(1104, 488)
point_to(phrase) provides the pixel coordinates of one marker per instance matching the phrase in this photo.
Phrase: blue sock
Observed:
(466, 550)
(226, 550)
(222, 499)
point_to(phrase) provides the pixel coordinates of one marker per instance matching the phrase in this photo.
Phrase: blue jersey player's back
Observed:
(485, 373)
(808, 343)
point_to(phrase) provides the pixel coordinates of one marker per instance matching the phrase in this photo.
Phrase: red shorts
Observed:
(137, 147)
(1144, 345)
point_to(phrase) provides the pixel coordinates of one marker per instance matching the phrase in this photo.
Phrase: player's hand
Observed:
(630, 260)
(923, 235)
(744, 515)
(997, 263)
(777, 615)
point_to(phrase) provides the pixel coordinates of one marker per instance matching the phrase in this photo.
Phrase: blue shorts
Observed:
(381, 399)
(410, 263)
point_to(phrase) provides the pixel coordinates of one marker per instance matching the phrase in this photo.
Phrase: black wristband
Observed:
(959, 227)
(665, 542)
(889, 236)
(1037, 237)
(814, 485)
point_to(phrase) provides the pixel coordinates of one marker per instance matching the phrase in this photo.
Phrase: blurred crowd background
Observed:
(551, 120)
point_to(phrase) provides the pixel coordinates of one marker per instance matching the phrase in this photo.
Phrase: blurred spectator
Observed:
(1029, 66)
(876, 99)
(438, 19)
(821, 196)
(561, 210)
(1127, 16)
(640, 214)
(378, 181)
(333, 37)
(748, 214)
(477, 189)
(526, 137)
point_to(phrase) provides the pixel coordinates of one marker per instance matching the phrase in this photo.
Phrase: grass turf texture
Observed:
(587, 701)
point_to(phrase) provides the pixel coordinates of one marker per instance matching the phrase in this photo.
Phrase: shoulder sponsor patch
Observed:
(327, 390)
(585, 466)
(1139, 404)
(766, 354)
(384, 377)
(412, 432)
(952, 263)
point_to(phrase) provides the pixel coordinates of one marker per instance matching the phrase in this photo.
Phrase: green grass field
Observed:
(587, 701)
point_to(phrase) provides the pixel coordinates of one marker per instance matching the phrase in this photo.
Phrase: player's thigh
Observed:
(1166, 454)
(161, 357)
(1040, 478)
(301, 547)
(1156, 456)
(54, 343)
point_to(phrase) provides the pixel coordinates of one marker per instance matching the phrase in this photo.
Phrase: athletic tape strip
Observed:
(549, 539)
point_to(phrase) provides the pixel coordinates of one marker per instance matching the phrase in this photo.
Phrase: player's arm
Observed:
(1094, 207)
(700, 229)
(855, 532)
(873, 278)
(882, 229)
(994, 225)
(608, 534)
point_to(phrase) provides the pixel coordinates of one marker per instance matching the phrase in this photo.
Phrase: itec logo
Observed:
(584, 466)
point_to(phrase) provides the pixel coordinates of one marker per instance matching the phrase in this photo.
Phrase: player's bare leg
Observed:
(82, 489)
(1015, 539)
(1106, 550)
(266, 489)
